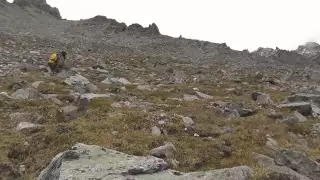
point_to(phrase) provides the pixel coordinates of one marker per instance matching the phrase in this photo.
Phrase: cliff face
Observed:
(41, 5)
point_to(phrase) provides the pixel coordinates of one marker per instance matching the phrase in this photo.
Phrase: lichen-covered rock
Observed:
(96, 162)
(276, 171)
(299, 162)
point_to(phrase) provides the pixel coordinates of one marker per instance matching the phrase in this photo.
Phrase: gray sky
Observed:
(242, 24)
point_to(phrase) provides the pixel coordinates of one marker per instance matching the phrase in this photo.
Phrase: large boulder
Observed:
(298, 162)
(95, 162)
(28, 93)
(277, 171)
(40, 4)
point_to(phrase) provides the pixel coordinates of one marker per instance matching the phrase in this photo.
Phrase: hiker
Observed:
(57, 61)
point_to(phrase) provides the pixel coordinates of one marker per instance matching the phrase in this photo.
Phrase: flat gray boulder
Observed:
(299, 162)
(277, 171)
(76, 79)
(85, 162)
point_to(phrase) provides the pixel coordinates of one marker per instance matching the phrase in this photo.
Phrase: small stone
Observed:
(124, 81)
(91, 88)
(22, 169)
(56, 101)
(204, 96)
(115, 133)
(28, 93)
(264, 99)
(162, 122)
(37, 84)
(67, 113)
(17, 117)
(28, 127)
(106, 81)
(76, 79)
(224, 151)
(156, 131)
(300, 117)
(165, 151)
(144, 87)
(272, 144)
(4, 95)
(35, 52)
(188, 122)
(187, 97)
(289, 120)
(116, 105)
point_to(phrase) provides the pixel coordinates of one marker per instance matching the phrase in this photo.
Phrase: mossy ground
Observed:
(133, 126)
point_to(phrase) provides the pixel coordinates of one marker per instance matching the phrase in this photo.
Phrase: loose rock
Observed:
(67, 113)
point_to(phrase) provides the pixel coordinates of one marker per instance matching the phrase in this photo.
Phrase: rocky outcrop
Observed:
(94, 162)
(309, 49)
(40, 4)
(139, 30)
(265, 52)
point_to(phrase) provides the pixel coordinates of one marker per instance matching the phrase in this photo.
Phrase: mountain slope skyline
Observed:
(242, 25)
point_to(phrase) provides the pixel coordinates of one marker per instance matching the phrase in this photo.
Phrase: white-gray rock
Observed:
(144, 87)
(156, 131)
(28, 93)
(188, 122)
(302, 107)
(56, 101)
(91, 96)
(18, 117)
(96, 162)
(165, 151)
(276, 170)
(264, 99)
(299, 162)
(187, 97)
(91, 88)
(37, 84)
(204, 96)
(124, 81)
(4, 95)
(300, 117)
(106, 81)
(67, 113)
(315, 130)
(76, 79)
(272, 144)
(28, 127)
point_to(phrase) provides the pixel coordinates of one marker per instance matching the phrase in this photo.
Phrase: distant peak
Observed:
(151, 30)
(312, 45)
(309, 49)
(40, 4)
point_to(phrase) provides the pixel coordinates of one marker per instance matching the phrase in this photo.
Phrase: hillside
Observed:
(136, 104)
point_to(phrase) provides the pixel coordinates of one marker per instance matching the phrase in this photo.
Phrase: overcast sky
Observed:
(242, 24)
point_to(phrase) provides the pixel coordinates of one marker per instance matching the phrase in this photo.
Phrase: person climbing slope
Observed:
(57, 61)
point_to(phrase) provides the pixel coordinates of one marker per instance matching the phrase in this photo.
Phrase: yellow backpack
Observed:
(53, 58)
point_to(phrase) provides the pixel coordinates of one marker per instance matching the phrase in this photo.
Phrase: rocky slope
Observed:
(135, 104)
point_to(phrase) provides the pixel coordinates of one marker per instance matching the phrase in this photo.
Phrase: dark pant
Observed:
(53, 67)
